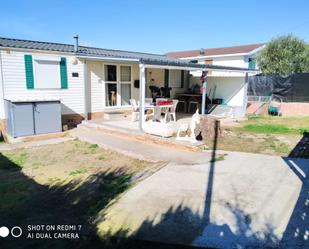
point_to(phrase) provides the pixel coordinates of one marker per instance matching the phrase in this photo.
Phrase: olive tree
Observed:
(284, 55)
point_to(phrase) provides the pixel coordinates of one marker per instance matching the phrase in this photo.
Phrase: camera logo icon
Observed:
(4, 232)
(16, 232)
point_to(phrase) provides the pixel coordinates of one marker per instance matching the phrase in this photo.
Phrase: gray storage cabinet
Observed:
(29, 118)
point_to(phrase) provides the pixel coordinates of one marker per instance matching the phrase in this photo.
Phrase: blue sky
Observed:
(156, 26)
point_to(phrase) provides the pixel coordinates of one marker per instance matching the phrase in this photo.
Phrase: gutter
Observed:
(106, 58)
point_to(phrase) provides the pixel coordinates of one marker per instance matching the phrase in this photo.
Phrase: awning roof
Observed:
(192, 66)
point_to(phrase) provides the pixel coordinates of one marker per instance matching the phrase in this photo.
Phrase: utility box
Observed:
(26, 118)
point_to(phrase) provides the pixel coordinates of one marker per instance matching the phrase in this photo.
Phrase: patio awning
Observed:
(183, 65)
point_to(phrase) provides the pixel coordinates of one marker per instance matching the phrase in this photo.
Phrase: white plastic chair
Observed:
(172, 112)
(135, 110)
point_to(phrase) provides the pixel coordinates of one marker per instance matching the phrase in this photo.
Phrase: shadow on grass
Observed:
(24, 202)
(301, 150)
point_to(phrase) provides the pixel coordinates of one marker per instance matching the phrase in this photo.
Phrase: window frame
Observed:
(118, 83)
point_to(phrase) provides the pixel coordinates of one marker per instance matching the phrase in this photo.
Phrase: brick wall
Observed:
(287, 109)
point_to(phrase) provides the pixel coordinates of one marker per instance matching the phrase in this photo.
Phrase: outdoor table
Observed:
(157, 109)
(187, 96)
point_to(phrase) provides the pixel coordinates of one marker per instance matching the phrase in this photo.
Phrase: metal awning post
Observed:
(245, 100)
(204, 75)
(142, 86)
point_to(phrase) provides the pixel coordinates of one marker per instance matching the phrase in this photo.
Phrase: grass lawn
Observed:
(67, 183)
(265, 134)
(274, 124)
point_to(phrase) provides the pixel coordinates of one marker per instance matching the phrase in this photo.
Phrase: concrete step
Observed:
(141, 137)
(112, 115)
(139, 147)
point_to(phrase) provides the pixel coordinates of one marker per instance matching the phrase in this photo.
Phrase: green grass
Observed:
(93, 146)
(219, 158)
(18, 158)
(272, 128)
(78, 172)
(276, 125)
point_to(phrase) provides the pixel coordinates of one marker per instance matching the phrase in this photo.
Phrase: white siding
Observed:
(230, 89)
(72, 99)
(231, 61)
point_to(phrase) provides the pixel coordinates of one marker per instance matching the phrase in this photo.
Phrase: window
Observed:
(175, 78)
(47, 74)
(125, 73)
(252, 63)
(194, 61)
(111, 73)
(125, 84)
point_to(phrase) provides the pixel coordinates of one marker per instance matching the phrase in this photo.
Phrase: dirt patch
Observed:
(256, 143)
(283, 136)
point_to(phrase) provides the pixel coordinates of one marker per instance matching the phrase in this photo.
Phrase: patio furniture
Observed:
(172, 112)
(148, 101)
(162, 107)
(193, 102)
(155, 91)
(166, 92)
(135, 110)
(183, 104)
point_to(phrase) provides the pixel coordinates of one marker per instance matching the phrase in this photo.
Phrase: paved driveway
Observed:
(244, 200)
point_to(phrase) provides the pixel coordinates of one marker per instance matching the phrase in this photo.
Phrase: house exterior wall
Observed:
(230, 89)
(14, 81)
(96, 89)
(232, 61)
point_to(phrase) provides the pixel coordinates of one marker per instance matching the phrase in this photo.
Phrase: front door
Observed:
(118, 85)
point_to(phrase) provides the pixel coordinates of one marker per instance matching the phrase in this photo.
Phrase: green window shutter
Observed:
(29, 71)
(166, 77)
(63, 73)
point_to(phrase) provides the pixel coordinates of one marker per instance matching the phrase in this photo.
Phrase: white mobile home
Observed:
(86, 81)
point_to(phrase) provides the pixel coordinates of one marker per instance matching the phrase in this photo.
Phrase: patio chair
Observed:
(135, 110)
(172, 112)
(183, 103)
(155, 91)
(166, 92)
(193, 102)
(148, 100)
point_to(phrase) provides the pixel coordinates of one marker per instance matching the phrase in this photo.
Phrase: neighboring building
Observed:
(225, 86)
(237, 56)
